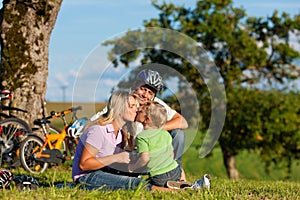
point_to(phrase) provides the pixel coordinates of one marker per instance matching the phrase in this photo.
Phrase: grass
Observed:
(250, 186)
(249, 165)
(254, 182)
(221, 188)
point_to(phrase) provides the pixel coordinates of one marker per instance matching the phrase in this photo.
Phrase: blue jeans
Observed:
(107, 181)
(178, 140)
(162, 179)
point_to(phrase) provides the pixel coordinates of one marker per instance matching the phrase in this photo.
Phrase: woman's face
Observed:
(130, 114)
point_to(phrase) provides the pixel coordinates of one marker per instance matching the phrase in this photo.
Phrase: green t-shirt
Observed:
(158, 143)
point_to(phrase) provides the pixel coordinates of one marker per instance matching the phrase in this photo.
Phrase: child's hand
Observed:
(123, 157)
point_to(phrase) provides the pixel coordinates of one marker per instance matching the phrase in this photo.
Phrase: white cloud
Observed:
(295, 41)
(62, 79)
(109, 82)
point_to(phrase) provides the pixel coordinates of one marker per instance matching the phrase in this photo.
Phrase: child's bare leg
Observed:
(183, 177)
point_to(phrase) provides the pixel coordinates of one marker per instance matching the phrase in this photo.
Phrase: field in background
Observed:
(88, 110)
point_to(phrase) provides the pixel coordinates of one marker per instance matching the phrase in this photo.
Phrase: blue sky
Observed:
(82, 25)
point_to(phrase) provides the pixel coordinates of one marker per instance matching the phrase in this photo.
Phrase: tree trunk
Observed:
(229, 163)
(26, 27)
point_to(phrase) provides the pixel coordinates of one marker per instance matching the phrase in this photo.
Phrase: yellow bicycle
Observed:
(37, 153)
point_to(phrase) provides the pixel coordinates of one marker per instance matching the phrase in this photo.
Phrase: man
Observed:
(147, 84)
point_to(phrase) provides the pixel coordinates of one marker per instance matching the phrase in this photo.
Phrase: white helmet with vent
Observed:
(76, 129)
(149, 78)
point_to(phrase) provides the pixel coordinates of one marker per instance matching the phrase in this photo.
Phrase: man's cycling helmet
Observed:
(149, 78)
(75, 130)
(5, 178)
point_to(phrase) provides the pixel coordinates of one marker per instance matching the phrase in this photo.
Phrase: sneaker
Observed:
(202, 183)
(177, 184)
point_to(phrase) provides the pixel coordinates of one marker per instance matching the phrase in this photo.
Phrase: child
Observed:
(155, 147)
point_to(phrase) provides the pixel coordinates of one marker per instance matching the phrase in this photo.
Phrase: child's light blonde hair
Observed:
(157, 113)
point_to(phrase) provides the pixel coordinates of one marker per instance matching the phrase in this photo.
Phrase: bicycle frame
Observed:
(36, 153)
(56, 139)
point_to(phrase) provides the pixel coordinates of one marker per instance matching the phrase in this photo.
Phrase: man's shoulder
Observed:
(156, 99)
(160, 101)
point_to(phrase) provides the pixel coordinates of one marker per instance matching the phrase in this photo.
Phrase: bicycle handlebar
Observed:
(54, 114)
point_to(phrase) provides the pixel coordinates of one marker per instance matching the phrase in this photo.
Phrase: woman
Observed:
(100, 147)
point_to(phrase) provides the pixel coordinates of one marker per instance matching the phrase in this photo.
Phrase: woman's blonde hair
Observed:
(117, 105)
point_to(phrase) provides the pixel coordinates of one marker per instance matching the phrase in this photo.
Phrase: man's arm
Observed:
(177, 122)
(174, 119)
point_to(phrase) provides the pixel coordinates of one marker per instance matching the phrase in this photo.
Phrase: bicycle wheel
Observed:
(12, 132)
(28, 148)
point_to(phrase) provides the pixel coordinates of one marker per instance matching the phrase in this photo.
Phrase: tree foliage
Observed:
(264, 121)
(254, 52)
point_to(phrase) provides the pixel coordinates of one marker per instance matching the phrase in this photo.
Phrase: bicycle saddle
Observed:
(41, 121)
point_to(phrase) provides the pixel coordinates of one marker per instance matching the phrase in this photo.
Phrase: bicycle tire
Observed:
(27, 158)
(12, 132)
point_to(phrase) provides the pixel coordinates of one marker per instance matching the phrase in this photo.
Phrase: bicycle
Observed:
(12, 131)
(37, 153)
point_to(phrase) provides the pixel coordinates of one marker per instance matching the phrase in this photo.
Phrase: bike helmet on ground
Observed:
(24, 182)
(5, 178)
(149, 78)
(75, 130)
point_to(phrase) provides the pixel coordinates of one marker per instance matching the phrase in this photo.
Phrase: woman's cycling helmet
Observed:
(149, 78)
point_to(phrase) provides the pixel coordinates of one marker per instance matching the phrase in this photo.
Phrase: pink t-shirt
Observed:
(100, 137)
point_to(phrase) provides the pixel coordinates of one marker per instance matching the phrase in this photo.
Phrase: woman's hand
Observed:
(89, 161)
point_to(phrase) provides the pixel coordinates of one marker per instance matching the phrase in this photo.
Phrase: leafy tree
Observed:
(25, 33)
(264, 121)
(248, 51)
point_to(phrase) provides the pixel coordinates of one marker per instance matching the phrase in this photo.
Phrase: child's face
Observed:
(141, 115)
